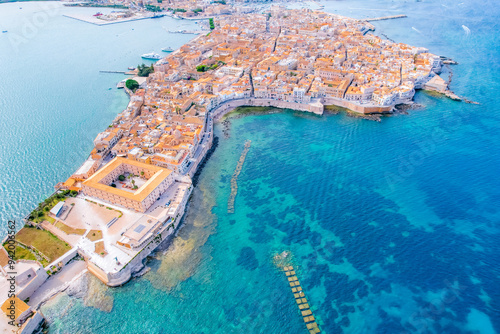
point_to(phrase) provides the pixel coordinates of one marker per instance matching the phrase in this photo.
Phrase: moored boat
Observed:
(151, 56)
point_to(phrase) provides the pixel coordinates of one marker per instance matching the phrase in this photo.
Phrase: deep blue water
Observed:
(393, 226)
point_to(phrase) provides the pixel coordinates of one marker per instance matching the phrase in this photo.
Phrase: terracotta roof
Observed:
(160, 174)
(4, 257)
(20, 306)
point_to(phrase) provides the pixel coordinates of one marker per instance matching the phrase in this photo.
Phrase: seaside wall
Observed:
(33, 324)
(316, 107)
(136, 264)
(201, 158)
(97, 272)
(356, 107)
(229, 106)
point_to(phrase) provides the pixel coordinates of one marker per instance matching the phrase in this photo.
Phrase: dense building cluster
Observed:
(291, 56)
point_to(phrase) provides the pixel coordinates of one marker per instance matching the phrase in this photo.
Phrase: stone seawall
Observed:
(369, 109)
(137, 263)
(314, 107)
(226, 107)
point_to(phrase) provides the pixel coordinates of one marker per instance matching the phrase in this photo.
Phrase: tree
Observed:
(201, 68)
(152, 8)
(144, 71)
(131, 84)
(121, 177)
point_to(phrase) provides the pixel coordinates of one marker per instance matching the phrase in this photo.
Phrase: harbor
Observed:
(191, 32)
(101, 22)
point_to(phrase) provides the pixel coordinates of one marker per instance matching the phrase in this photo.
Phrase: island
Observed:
(131, 193)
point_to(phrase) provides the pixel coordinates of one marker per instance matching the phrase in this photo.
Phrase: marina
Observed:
(193, 32)
(100, 22)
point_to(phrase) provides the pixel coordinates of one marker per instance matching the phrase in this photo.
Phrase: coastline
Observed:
(215, 115)
(139, 266)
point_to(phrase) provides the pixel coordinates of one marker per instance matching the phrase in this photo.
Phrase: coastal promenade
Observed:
(228, 106)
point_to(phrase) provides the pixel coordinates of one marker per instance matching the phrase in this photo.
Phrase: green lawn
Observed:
(44, 217)
(24, 254)
(70, 230)
(43, 241)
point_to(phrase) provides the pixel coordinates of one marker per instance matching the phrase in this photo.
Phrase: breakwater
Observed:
(386, 18)
(234, 179)
(301, 300)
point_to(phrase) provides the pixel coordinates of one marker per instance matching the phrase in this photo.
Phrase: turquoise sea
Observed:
(393, 226)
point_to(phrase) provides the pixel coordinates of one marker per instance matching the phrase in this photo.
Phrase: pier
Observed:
(301, 300)
(194, 32)
(234, 179)
(386, 18)
(120, 72)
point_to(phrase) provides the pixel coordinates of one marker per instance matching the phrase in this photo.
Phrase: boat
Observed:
(4, 31)
(168, 49)
(151, 55)
(121, 84)
(98, 14)
(131, 68)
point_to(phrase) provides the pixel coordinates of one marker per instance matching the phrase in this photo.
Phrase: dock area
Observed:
(234, 179)
(99, 22)
(130, 72)
(386, 18)
(193, 32)
(301, 300)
